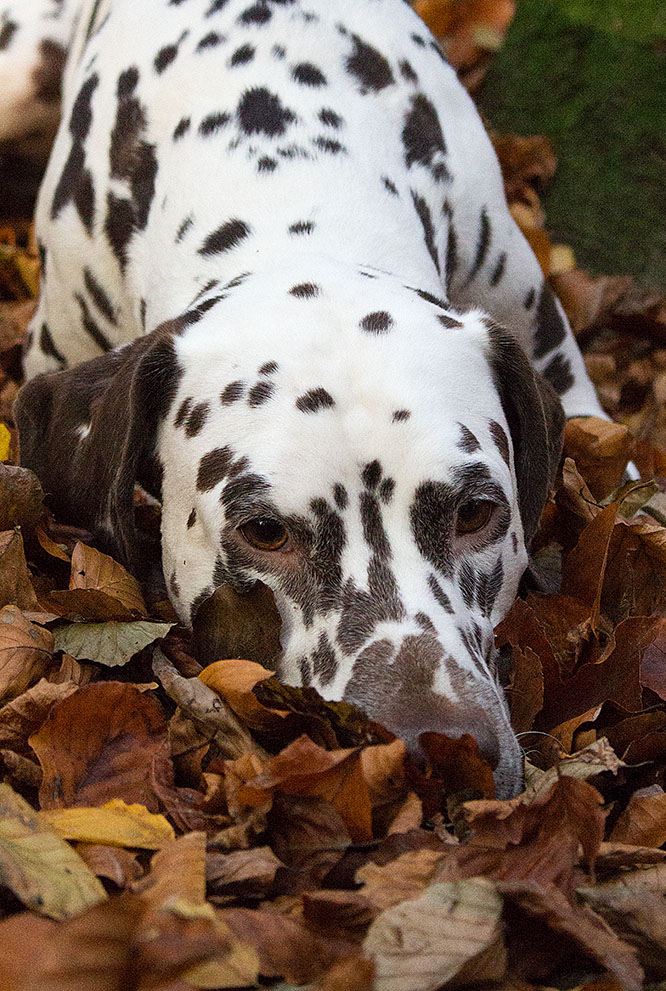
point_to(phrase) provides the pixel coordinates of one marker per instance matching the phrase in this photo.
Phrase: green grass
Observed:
(588, 74)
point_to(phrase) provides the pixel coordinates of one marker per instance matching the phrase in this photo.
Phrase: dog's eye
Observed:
(473, 515)
(265, 534)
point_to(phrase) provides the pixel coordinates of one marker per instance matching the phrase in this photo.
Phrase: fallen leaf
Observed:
(242, 872)
(601, 450)
(38, 866)
(21, 498)
(230, 624)
(111, 862)
(403, 878)
(115, 824)
(101, 743)
(233, 680)
(111, 644)
(25, 652)
(25, 714)
(421, 944)
(643, 822)
(458, 763)
(15, 584)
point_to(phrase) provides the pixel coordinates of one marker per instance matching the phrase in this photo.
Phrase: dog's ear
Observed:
(536, 422)
(89, 433)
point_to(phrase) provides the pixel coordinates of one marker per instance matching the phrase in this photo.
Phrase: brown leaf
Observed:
(178, 870)
(600, 449)
(15, 584)
(383, 769)
(522, 629)
(309, 836)
(24, 715)
(405, 877)
(303, 768)
(233, 680)
(242, 872)
(354, 974)
(525, 162)
(525, 691)
(285, 947)
(343, 914)
(512, 841)
(25, 652)
(569, 934)
(21, 497)
(99, 589)
(643, 822)
(588, 300)
(100, 743)
(458, 763)
(111, 862)
(637, 916)
(585, 566)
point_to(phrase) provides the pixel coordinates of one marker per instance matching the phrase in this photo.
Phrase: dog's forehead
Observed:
(314, 380)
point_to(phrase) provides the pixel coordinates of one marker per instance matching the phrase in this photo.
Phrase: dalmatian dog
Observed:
(281, 289)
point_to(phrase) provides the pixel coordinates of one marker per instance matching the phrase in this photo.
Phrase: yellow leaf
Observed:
(5, 442)
(115, 824)
(40, 867)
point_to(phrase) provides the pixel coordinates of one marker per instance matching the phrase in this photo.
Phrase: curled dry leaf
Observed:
(601, 450)
(403, 878)
(40, 867)
(25, 714)
(233, 680)
(101, 743)
(111, 862)
(242, 871)
(115, 824)
(25, 652)
(451, 930)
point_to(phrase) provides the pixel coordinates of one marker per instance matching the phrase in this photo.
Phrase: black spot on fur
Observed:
(183, 411)
(191, 519)
(75, 184)
(127, 82)
(47, 345)
(213, 123)
(232, 392)
(330, 118)
(269, 368)
(440, 595)
(430, 298)
(391, 186)
(183, 229)
(165, 57)
(242, 55)
(181, 128)
(514, 543)
(329, 145)
(91, 327)
(386, 490)
(407, 71)
(260, 393)
(418, 40)
(99, 296)
(498, 271)
(324, 663)
(482, 244)
(213, 467)
(501, 440)
(302, 227)
(559, 374)
(340, 496)
(308, 74)
(210, 40)
(550, 330)
(266, 164)
(313, 400)
(371, 474)
(197, 419)
(225, 238)
(305, 290)
(425, 217)
(261, 112)
(468, 442)
(422, 136)
(279, 51)
(7, 32)
(401, 415)
(369, 67)
(529, 299)
(448, 322)
(379, 322)
(216, 6)
(258, 13)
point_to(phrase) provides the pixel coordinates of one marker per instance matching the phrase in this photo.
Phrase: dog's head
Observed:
(377, 459)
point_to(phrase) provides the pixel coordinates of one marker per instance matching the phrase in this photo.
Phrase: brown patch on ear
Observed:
(121, 396)
(536, 422)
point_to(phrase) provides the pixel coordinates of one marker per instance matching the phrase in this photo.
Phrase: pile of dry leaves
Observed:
(167, 825)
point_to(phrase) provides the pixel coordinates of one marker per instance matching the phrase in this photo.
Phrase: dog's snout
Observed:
(486, 738)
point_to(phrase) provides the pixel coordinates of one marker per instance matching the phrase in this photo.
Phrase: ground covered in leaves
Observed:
(168, 823)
